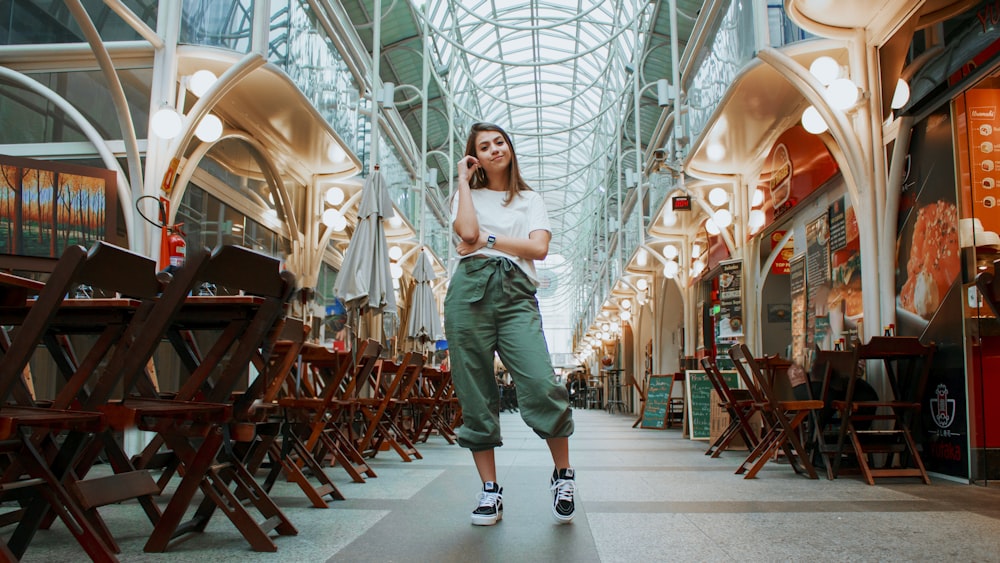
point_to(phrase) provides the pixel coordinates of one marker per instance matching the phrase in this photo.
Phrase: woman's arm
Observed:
(466, 224)
(535, 247)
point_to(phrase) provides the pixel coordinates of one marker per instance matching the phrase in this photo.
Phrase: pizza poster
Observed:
(930, 298)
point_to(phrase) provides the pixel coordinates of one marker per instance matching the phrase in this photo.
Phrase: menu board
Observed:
(698, 394)
(729, 321)
(797, 271)
(654, 413)
(984, 153)
(817, 282)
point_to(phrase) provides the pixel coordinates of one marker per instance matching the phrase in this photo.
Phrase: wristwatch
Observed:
(490, 241)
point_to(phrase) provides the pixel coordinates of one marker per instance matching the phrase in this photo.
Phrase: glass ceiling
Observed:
(553, 74)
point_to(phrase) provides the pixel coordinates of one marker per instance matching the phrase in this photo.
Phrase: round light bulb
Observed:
(201, 81)
(756, 219)
(395, 252)
(670, 252)
(395, 221)
(336, 153)
(825, 69)
(395, 270)
(641, 258)
(723, 218)
(842, 93)
(641, 284)
(209, 129)
(626, 304)
(670, 269)
(901, 95)
(697, 267)
(712, 227)
(758, 197)
(813, 122)
(166, 123)
(669, 219)
(715, 152)
(334, 196)
(718, 196)
(333, 219)
(626, 316)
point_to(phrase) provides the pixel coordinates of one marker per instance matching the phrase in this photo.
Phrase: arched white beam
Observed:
(117, 94)
(856, 170)
(812, 90)
(88, 130)
(140, 27)
(271, 175)
(215, 93)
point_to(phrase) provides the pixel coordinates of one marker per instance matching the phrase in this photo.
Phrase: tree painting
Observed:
(45, 207)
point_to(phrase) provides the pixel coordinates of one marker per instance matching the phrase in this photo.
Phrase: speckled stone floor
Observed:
(644, 495)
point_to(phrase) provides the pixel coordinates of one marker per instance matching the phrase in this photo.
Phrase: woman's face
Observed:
(492, 151)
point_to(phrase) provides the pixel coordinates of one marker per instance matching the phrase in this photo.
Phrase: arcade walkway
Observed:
(644, 495)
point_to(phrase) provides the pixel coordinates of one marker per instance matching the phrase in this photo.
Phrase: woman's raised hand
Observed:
(466, 167)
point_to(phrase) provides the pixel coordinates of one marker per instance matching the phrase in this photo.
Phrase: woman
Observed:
(491, 308)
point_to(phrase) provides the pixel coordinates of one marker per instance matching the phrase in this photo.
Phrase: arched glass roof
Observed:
(551, 72)
(557, 74)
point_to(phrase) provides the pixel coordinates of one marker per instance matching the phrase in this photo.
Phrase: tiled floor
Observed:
(644, 495)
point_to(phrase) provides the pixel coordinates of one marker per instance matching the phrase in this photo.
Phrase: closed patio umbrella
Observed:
(424, 323)
(364, 282)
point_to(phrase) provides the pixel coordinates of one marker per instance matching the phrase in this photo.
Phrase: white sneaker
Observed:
(563, 492)
(490, 509)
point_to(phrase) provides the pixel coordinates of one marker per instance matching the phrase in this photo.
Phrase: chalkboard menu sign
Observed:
(654, 414)
(699, 397)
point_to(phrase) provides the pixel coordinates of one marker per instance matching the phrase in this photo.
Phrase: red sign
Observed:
(797, 165)
(781, 264)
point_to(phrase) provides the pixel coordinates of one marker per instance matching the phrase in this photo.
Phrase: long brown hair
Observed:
(515, 183)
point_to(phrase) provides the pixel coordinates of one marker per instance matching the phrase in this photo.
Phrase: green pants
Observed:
(491, 307)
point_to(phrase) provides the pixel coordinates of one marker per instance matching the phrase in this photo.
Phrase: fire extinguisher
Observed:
(176, 246)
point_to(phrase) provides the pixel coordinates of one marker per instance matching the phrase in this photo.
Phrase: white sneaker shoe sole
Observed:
(483, 520)
(562, 519)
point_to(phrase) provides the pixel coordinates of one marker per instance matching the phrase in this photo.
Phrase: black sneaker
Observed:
(563, 490)
(490, 509)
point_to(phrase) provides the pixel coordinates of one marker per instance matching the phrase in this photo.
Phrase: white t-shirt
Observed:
(525, 213)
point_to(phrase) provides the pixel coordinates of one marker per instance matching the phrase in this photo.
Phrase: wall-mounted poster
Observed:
(47, 206)
(844, 302)
(929, 301)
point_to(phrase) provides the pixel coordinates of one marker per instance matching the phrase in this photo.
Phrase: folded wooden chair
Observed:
(906, 363)
(782, 419)
(428, 401)
(35, 482)
(740, 406)
(391, 386)
(245, 319)
(328, 421)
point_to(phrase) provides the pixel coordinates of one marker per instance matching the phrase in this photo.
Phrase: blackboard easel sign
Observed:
(654, 413)
(699, 397)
